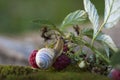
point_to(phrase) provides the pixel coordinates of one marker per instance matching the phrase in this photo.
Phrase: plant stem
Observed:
(88, 45)
(94, 37)
(91, 47)
(96, 51)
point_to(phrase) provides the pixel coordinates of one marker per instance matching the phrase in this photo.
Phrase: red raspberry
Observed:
(115, 74)
(65, 48)
(61, 62)
(31, 59)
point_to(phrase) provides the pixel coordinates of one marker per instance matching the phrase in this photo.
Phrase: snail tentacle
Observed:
(59, 47)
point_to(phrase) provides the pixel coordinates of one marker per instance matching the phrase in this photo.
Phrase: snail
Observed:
(45, 57)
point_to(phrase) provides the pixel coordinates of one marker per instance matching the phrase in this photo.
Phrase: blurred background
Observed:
(16, 15)
(19, 36)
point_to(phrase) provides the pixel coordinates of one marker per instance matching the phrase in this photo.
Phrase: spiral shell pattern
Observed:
(44, 58)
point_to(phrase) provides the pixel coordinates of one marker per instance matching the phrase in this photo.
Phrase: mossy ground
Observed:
(26, 73)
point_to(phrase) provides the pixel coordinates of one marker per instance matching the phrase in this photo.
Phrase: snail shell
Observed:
(46, 56)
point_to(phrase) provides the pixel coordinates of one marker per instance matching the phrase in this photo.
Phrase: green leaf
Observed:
(92, 14)
(88, 32)
(107, 49)
(74, 18)
(106, 39)
(115, 59)
(112, 13)
(43, 23)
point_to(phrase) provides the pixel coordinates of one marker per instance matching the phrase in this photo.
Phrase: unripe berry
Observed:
(82, 64)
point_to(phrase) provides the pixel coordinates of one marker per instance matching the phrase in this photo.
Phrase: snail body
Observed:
(46, 56)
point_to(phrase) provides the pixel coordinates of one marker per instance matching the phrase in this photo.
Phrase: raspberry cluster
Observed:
(61, 62)
(115, 74)
(31, 60)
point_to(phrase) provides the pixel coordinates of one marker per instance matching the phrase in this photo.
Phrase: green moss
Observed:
(15, 70)
(27, 73)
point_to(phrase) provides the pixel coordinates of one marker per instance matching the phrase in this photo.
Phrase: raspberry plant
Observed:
(100, 59)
